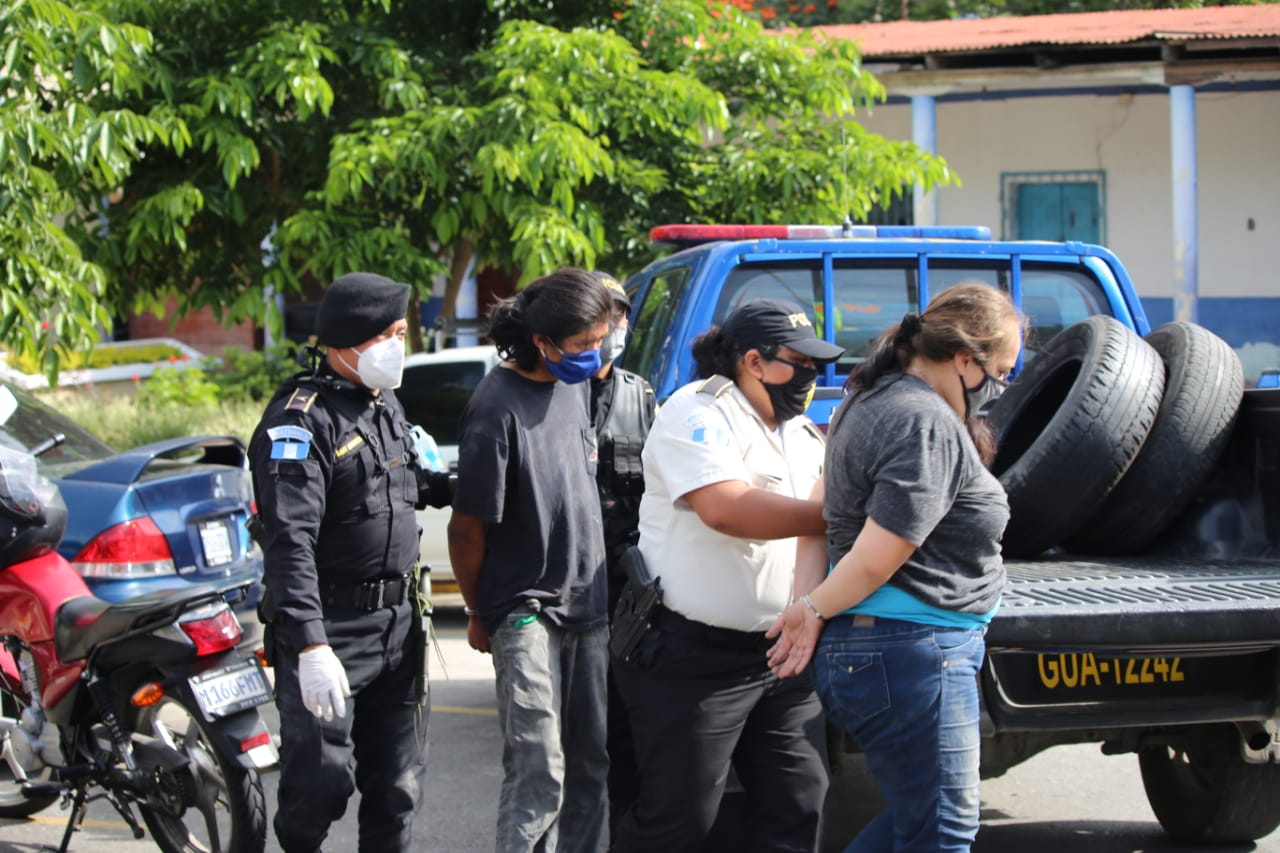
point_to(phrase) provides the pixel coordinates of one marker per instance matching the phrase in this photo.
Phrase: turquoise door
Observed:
(1059, 212)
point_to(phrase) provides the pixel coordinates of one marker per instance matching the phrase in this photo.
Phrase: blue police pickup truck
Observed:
(1143, 606)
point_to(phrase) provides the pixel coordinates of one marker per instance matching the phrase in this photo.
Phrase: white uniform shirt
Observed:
(700, 439)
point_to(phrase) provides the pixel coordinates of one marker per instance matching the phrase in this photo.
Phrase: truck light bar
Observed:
(691, 235)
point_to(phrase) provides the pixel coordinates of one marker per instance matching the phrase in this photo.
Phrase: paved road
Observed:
(1066, 800)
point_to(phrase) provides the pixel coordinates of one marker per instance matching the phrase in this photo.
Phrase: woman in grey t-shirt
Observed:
(914, 520)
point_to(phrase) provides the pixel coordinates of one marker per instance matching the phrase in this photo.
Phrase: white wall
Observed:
(1127, 137)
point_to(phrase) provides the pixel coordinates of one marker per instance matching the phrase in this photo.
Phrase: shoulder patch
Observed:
(700, 432)
(301, 400)
(289, 442)
(716, 385)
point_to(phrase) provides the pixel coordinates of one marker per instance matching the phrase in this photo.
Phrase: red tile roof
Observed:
(899, 38)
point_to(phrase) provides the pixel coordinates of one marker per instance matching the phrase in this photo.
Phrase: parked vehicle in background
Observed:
(1143, 606)
(434, 391)
(166, 515)
(145, 703)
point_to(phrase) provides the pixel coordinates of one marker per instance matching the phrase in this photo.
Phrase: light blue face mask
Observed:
(573, 368)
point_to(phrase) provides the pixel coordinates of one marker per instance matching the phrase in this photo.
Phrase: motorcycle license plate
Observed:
(232, 688)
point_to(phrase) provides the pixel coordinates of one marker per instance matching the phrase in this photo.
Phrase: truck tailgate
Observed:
(1138, 603)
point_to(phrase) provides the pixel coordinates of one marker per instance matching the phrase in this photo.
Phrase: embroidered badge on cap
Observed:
(289, 442)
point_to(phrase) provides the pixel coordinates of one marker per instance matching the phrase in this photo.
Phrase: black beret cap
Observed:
(359, 306)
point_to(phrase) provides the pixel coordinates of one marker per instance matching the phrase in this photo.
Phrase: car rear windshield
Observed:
(25, 422)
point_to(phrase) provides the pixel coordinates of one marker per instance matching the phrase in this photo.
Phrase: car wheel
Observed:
(1069, 427)
(1204, 382)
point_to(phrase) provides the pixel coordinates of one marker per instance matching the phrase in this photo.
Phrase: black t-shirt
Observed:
(527, 466)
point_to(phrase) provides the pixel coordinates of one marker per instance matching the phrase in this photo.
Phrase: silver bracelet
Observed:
(808, 602)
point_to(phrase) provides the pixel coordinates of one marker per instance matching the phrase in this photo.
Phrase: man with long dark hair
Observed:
(527, 546)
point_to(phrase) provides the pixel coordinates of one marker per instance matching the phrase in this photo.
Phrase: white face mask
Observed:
(613, 344)
(381, 365)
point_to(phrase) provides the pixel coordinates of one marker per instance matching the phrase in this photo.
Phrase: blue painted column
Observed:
(924, 133)
(1186, 222)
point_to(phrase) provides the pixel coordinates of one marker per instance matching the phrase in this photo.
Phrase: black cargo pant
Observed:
(701, 699)
(384, 731)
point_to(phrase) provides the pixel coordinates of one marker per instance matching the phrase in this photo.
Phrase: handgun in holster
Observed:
(257, 529)
(641, 594)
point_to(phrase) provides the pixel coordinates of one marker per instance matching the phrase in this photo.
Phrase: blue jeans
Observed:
(908, 695)
(550, 686)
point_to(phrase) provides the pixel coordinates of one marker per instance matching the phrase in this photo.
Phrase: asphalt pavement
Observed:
(1065, 800)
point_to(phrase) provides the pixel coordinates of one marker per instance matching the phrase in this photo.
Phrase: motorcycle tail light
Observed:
(132, 549)
(215, 633)
(260, 739)
(148, 694)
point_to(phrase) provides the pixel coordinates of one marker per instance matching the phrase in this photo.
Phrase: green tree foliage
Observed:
(62, 151)
(412, 138)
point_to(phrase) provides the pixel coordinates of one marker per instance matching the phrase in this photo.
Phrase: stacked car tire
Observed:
(1105, 437)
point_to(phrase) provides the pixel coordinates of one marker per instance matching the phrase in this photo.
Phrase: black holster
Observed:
(641, 594)
(420, 632)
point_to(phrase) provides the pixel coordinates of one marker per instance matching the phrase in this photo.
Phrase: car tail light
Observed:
(214, 633)
(133, 549)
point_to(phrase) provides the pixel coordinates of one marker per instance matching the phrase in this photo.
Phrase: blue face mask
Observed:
(573, 368)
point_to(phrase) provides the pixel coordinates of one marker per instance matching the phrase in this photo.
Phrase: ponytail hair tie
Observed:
(910, 326)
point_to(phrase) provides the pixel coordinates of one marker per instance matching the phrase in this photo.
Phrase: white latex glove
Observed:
(323, 682)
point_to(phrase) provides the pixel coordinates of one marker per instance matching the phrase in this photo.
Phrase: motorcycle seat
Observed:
(84, 622)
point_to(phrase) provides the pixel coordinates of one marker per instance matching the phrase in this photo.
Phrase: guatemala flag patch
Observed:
(289, 442)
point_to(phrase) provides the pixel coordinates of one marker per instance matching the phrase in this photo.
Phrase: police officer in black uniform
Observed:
(622, 408)
(337, 482)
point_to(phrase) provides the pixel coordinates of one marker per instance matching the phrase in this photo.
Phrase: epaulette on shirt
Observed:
(301, 400)
(715, 386)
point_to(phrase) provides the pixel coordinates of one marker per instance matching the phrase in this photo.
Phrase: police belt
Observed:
(367, 595)
(727, 638)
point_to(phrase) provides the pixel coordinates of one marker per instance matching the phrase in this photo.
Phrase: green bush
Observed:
(169, 387)
(241, 374)
(100, 357)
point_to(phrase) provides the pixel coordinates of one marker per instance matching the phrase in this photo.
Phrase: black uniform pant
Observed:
(698, 706)
(384, 731)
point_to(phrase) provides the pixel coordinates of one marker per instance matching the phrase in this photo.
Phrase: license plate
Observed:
(1074, 677)
(233, 688)
(216, 540)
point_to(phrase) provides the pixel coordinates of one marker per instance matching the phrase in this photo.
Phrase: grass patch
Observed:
(126, 421)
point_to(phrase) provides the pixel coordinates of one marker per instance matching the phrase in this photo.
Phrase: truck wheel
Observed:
(1069, 427)
(1202, 791)
(1204, 383)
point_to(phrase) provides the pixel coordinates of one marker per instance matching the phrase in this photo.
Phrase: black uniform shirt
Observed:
(336, 492)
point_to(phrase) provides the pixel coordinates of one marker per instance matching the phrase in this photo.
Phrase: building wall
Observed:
(198, 329)
(1126, 135)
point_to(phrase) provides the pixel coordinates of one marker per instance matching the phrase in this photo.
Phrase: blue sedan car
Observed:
(161, 516)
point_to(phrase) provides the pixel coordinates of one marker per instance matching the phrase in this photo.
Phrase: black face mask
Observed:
(792, 397)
